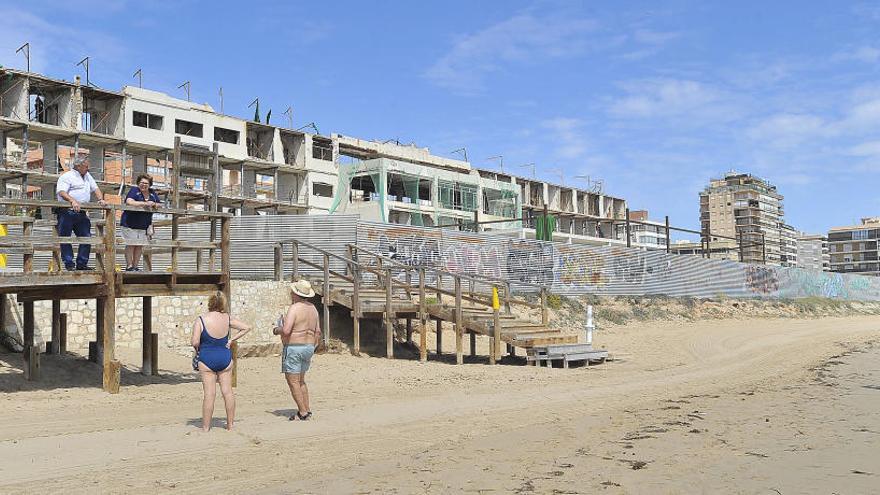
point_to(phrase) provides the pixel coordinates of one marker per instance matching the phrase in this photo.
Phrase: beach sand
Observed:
(726, 406)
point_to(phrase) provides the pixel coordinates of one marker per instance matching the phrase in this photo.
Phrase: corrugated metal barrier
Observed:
(574, 269)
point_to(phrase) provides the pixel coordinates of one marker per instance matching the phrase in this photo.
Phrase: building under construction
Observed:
(202, 159)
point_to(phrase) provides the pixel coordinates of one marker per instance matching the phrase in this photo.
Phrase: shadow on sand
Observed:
(75, 371)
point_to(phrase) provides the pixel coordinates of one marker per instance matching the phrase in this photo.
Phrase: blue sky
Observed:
(653, 99)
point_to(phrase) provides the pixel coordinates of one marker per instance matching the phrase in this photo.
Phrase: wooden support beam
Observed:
(473, 338)
(62, 341)
(495, 351)
(31, 356)
(389, 315)
(459, 352)
(55, 347)
(327, 300)
(511, 350)
(439, 337)
(423, 319)
(356, 308)
(279, 262)
(154, 354)
(112, 367)
(409, 331)
(147, 337)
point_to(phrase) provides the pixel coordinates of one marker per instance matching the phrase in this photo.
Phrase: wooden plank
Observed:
(112, 375)
(154, 354)
(327, 300)
(423, 319)
(147, 336)
(459, 356)
(31, 356)
(63, 292)
(439, 338)
(496, 339)
(389, 312)
(55, 348)
(473, 347)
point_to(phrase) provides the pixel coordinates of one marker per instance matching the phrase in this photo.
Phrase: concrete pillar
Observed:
(50, 157)
(2, 151)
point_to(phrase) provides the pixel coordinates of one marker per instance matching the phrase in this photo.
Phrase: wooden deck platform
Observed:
(36, 279)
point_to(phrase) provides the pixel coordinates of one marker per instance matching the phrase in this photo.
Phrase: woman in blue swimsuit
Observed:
(212, 338)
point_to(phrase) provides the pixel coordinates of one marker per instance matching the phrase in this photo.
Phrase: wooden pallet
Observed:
(567, 353)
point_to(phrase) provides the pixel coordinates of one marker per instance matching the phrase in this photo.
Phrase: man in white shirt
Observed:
(76, 186)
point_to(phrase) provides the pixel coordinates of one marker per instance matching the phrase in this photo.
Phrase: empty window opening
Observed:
(264, 186)
(187, 128)
(363, 189)
(322, 149)
(226, 135)
(259, 142)
(409, 189)
(146, 120)
(322, 190)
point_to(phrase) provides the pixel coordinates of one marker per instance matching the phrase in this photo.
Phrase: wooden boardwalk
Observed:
(35, 281)
(374, 286)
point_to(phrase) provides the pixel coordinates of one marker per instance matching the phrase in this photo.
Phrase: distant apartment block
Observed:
(788, 249)
(854, 249)
(748, 210)
(647, 233)
(812, 252)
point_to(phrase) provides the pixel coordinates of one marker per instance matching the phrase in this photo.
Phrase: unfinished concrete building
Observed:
(202, 159)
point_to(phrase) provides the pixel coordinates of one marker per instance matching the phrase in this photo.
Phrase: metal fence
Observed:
(574, 269)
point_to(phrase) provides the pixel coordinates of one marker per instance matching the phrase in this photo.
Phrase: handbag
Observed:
(195, 362)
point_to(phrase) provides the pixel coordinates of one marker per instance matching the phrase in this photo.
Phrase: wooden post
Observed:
(212, 258)
(668, 243)
(55, 347)
(154, 353)
(175, 231)
(409, 331)
(389, 314)
(147, 337)
(327, 300)
(423, 317)
(495, 352)
(473, 340)
(279, 263)
(545, 314)
(439, 337)
(294, 276)
(62, 339)
(226, 277)
(108, 322)
(356, 307)
(439, 287)
(175, 175)
(459, 357)
(27, 229)
(31, 356)
(507, 290)
(511, 350)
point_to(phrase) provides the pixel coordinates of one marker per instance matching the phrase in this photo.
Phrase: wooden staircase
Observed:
(375, 286)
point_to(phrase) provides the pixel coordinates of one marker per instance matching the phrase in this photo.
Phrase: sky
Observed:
(653, 98)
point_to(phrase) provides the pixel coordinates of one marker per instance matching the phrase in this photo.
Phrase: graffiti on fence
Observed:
(470, 258)
(578, 270)
(627, 267)
(761, 280)
(530, 262)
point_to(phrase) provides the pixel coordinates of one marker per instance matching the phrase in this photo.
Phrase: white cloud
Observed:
(522, 38)
(866, 54)
(572, 143)
(870, 149)
(666, 98)
(787, 129)
(52, 45)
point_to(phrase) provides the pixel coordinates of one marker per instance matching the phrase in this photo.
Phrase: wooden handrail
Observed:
(95, 206)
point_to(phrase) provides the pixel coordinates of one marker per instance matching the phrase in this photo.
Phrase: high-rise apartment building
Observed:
(855, 249)
(812, 252)
(747, 209)
(788, 245)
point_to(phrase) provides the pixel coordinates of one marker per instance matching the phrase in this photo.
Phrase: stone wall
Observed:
(258, 303)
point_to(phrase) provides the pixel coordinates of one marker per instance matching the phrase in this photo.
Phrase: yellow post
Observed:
(495, 351)
(3, 232)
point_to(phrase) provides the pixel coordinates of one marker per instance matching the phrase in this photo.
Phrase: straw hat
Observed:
(302, 288)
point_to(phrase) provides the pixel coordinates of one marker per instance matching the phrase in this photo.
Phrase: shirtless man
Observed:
(300, 332)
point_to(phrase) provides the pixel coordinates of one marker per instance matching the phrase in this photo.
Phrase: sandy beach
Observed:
(770, 406)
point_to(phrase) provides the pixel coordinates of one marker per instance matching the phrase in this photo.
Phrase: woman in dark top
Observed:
(134, 223)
